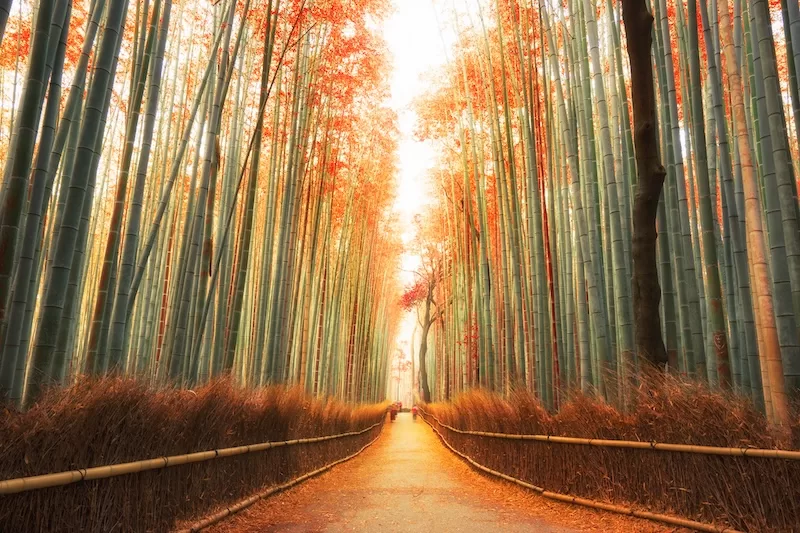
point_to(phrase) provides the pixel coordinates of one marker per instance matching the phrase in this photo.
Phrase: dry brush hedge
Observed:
(113, 421)
(751, 494)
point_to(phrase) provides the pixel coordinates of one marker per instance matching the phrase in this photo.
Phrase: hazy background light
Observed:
(412, 33)
(414, 39)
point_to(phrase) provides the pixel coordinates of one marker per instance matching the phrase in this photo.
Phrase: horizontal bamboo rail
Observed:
(244, 504)
(640, 445)
(665, 519)
(23, 484)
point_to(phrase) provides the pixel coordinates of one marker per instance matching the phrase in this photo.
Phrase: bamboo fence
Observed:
(639, 445)
(23, 484)
(672, 520)
(244, 504)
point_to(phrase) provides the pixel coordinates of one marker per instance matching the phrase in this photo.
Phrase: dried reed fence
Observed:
(115, 421)
(244, 504)
(735, 490)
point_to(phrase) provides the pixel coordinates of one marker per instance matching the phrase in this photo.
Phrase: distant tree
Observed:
(421, 297)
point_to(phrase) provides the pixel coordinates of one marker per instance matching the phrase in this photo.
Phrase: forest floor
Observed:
(408, 481)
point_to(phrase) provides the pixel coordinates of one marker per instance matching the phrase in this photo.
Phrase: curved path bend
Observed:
(407, 482)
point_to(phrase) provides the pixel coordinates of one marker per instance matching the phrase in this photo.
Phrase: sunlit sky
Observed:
(414, 39)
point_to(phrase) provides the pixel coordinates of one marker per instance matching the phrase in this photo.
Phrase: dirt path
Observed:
(406, 482)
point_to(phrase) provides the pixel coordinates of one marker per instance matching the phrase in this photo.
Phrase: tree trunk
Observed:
(650, 172)
(423, 348)
(19, 163)
(769, 352)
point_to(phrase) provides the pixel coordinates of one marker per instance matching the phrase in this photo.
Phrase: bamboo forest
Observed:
(563, 233)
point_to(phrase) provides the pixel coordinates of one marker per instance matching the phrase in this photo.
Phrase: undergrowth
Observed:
(750, 494)
(112, 421)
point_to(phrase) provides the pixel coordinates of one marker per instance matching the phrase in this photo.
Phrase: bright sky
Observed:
(414, 40)
(413, 37)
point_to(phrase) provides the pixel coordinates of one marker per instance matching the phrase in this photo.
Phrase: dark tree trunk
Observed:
(651, 173)
(423, 347)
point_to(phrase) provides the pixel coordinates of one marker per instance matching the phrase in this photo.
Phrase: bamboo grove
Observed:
(529, 278)
(193, 189)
